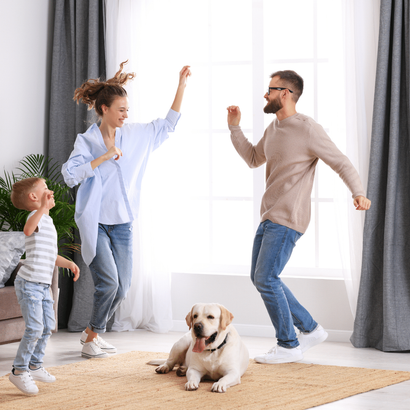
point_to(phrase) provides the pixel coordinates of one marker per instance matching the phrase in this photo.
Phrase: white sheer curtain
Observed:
(148, 303)
(132, 29)
(361, 26)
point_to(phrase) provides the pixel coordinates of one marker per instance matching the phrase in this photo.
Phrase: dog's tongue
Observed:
(199, 345)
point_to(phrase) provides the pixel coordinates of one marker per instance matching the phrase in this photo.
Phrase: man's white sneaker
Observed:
(42, 375)
(308, 340)
(279, 354)
(24, 382)
(91, 350)
(104, 346)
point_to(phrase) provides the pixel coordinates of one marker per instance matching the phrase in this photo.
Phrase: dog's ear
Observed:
(188, 319)
(226, 317)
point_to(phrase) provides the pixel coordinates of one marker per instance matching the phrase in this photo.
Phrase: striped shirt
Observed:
(41, 252)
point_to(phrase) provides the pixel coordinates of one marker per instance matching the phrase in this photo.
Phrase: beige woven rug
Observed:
(125, 381)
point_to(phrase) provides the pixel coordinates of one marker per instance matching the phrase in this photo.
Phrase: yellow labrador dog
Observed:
(211, 350)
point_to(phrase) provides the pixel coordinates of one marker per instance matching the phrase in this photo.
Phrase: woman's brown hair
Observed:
(96, 93)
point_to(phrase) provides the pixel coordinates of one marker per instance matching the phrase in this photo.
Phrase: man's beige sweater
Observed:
(291, 149)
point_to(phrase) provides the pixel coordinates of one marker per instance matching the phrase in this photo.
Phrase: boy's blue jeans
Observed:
(272, 248)
(37, 308)
(111, 270)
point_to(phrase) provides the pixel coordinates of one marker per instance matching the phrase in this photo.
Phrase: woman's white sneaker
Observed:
(83, 337)
(104, 346)
(279, 354)
(24, 382)
(308, 340)
(42, 375)
(91, 350)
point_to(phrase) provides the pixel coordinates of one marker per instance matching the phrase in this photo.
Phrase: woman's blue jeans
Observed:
(37, 309)
(111, 270)
(272, 248)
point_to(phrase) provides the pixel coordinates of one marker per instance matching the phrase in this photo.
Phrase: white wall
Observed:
(25, 47)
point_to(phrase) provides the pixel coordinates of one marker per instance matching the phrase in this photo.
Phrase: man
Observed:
(291, 147)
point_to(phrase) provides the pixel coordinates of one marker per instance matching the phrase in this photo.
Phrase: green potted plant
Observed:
(12, 219)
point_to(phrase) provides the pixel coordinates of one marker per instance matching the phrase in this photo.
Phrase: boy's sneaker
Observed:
(42, 375)
(308, 340)
(279, 354)
(24, 382)
(103, 345)
(91, 350)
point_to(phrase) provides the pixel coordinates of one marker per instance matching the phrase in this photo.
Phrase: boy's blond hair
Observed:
(21, 190)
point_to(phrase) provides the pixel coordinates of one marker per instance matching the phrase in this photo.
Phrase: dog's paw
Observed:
(162, 369)
(219, 387)
(181, 371)
(191, 385)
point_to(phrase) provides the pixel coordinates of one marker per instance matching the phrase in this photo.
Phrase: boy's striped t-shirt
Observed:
(41, 252)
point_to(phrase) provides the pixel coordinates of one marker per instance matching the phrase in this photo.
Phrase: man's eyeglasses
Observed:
(278, 88)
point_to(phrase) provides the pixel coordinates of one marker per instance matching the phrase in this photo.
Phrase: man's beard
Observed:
(273, 107)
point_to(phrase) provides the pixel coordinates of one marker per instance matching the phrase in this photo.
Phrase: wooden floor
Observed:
(64, 348)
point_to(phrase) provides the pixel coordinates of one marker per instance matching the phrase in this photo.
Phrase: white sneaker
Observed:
(308, 340)
(103, 345)
(42, 375)
(91, 350)
(279, 354)
(83, 337)
(24, 382)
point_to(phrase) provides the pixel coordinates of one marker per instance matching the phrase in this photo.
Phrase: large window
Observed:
(206, 195)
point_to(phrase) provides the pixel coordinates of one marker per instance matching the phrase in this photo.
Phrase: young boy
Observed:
(33, 281)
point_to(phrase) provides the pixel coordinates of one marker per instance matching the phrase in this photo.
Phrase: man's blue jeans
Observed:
(272, 248)
(111, 270)
(37, 308)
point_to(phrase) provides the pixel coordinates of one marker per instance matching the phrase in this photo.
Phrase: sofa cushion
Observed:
(9, 306)
(11, 330)
(12, 246)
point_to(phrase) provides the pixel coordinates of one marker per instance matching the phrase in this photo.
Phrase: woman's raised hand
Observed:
(183, 78)
(184, 74)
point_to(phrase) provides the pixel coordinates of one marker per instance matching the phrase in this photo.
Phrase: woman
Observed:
(109, 161)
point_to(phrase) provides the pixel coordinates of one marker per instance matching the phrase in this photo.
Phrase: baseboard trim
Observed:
(341, 336)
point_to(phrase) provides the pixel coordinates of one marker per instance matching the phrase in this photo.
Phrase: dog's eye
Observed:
(195, 316)
(210, 317)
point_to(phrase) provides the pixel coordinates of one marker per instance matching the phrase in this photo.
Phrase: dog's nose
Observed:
(198, 327)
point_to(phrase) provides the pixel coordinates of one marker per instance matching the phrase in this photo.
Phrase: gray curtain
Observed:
(78, 54)
(383, 312)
